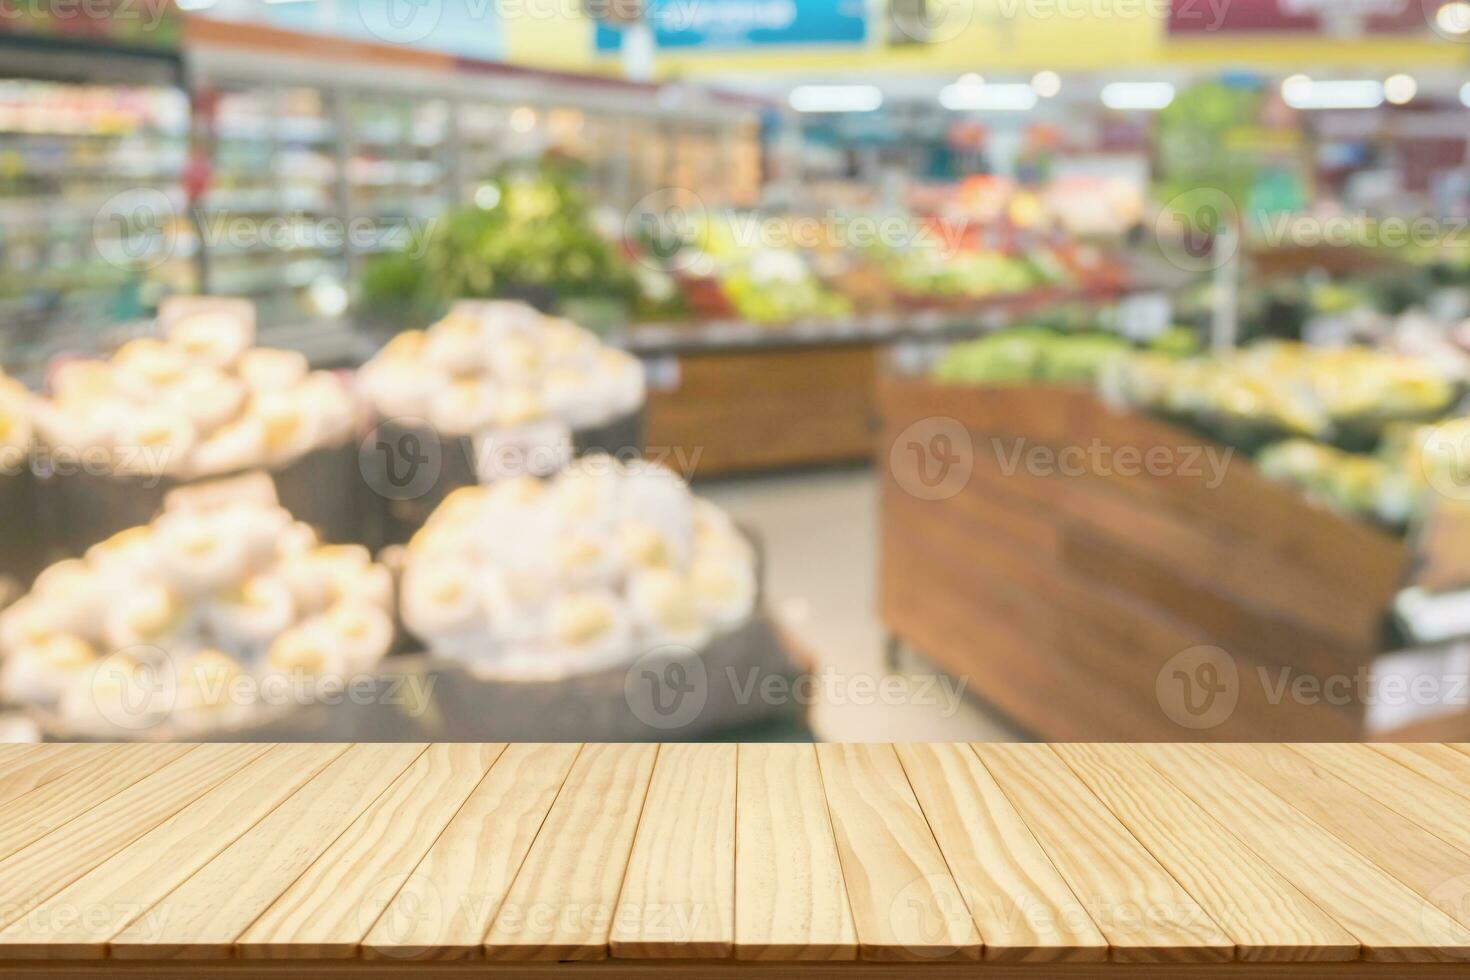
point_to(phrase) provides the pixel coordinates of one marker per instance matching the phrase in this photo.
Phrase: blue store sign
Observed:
(734, 24)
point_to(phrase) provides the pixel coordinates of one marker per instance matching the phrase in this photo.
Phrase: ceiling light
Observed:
(1007, 97)
(1453, 18)
(1301, 92)
(1046, 83)
(1137, 95)
(836, 98)
(1400, 89)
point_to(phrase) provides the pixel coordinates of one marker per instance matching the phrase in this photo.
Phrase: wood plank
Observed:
(1429, 865)
(1144, 913)
(58, 801)
(1435, 807)
(31, 766)
(678, 897)
(561, 903)
(1024, 909)
(48, 865)
(133, 880)
(446, 906)
(1448, 769)
(1266, 917)
(1391, 922)
(905, 903)
(203, 917)
(790, 900)
(333, 905)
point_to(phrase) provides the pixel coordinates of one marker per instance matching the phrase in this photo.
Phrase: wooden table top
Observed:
(1200, 860)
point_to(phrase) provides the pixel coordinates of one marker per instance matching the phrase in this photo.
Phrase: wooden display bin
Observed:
(722, 411)
(1082, 597)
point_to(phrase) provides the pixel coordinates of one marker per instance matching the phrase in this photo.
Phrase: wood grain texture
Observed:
(1390, 921)
(46, 807)
(333, 905)
(1023, 907)
(48, 865)
(26, 767)
(1431, 866)
(446, 906)
(1436, 808)
(678, 896)
(905, 904)
(203, 917)
(1441, 764)
(1144, 913)
(790, 899)
(1266, 917)
(560, 906)
(127, 885)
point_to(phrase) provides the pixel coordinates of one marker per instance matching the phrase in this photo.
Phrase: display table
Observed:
(1054, 861)
(1098, 573)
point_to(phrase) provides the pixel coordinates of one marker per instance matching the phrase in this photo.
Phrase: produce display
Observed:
(1025, 354)
(201, 401)
(497, 366)
(530, 235)
(592, 568)
(201, 620)
(969, 274)
(1356, 484)
(1249, 395)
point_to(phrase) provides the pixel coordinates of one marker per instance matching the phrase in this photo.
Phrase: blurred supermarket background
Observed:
(655, 369)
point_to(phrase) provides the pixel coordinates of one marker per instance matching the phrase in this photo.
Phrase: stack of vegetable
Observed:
(199, 621)
(592, 568)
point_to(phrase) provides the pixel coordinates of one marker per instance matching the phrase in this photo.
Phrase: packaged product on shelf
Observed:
(200, 402)
(220, 615)
(607, 561)
(500, 389)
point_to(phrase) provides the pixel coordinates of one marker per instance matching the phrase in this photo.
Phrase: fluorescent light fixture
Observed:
(1453, 18)
(1046, 84)
(1003, 97)
(1137, 95)
(279, 2)
(1301, 92)
(970, 78)
(1465, 95)
(1400, 89)
(187, 5)
(836, 98)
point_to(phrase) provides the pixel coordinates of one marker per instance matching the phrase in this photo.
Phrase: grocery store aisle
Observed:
(821, 542)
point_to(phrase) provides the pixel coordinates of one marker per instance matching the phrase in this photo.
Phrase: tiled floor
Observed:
(820, 535)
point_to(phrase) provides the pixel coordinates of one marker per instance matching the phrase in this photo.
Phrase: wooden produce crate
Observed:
(732, 410)
(1099, 574)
